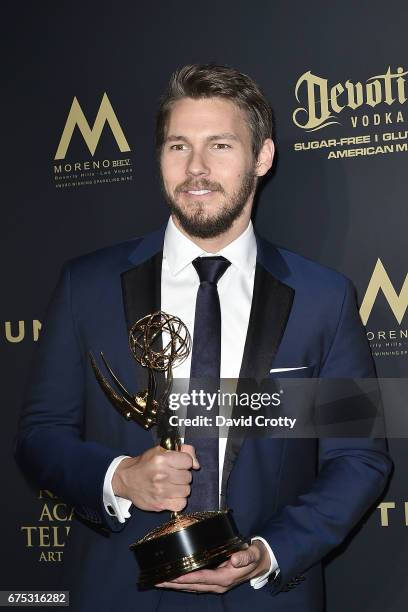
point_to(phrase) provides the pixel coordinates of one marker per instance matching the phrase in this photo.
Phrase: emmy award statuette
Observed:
(188, 541)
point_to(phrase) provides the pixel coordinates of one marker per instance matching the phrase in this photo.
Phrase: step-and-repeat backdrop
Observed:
(81, 87)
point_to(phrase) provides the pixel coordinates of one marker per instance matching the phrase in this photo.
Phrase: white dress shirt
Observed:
(179, 286)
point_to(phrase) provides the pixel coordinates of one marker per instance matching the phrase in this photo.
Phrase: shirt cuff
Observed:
(115, 505)
(260, 581)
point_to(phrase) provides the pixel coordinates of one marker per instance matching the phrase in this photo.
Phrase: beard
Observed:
(196, 221)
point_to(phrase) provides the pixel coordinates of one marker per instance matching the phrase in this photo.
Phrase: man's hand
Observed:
(158, 479)
(240, 567)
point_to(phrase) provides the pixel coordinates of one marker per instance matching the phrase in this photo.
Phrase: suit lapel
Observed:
(141, 292)
(141, 289)
(271, 305)
(270, 309)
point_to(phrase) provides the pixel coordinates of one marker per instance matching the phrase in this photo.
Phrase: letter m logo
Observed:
(106, 114)
(381, 280)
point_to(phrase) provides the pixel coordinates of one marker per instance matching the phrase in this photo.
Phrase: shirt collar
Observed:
(179, 251)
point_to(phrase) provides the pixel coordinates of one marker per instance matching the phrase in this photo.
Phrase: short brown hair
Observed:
(213, 80)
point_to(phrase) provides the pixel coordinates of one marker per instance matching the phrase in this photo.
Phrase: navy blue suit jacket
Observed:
(302, 495)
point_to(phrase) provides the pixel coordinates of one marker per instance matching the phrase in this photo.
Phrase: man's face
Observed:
(207, 165)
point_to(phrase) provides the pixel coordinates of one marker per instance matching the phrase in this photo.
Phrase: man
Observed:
(276, 311)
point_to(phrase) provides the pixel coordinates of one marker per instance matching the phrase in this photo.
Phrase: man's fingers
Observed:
(174, 505)
(222, 576)
(177, 491)
(179, 477)
(238, 568)
(192, 588)
(208, 581)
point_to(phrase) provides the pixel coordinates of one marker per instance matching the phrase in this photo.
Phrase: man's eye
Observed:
(177, 147)
(221, 145)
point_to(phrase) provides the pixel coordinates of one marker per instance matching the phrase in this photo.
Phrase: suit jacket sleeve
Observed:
(49, 445)
(353, 471)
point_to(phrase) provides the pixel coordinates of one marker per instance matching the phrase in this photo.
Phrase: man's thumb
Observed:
(187, 448)
(243, 558)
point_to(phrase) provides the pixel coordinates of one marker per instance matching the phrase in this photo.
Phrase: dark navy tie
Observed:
(205, 368)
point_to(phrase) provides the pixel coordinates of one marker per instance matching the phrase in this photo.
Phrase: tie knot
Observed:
(210, 269)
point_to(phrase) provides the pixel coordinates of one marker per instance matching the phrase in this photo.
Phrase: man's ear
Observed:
(265, 158)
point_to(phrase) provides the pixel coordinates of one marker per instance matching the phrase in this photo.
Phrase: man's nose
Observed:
(196, 164)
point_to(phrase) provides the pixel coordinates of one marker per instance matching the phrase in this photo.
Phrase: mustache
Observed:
(197, 186)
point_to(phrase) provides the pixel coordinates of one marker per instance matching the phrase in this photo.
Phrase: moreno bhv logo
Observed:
(398, 302)
(75, 173)
(392, 339)
(91, 136)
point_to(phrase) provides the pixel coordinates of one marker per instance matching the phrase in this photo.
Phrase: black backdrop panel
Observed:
(342, 204)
